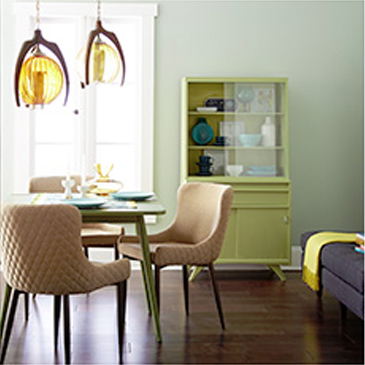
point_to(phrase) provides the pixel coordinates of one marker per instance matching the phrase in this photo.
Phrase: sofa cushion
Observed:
(345, 262)
(343, 292)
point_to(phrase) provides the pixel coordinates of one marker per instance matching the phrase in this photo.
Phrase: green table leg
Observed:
(142, 232)
(6, 298)
(145, 288)
(277, 270)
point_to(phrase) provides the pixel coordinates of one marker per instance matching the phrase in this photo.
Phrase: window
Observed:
(107, 124)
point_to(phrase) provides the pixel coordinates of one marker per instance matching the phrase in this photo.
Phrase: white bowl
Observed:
(250, 140)
(234, 170)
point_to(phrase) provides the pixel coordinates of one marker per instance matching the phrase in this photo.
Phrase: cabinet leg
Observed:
(277, 270)
(195, 273)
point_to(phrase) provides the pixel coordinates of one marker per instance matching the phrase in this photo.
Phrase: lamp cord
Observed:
(99, 11)
(38, 17)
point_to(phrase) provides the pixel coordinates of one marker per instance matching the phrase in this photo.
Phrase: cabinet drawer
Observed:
(261, 197)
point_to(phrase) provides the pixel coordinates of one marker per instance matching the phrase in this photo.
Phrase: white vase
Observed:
(268, 131)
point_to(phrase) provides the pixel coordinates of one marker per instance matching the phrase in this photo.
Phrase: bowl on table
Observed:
(104, 187)
(250, 140)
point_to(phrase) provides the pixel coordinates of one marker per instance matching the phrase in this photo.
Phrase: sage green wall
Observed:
(319, 46)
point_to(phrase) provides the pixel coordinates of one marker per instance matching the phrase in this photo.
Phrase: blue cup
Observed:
(220, 140)
(204, 159)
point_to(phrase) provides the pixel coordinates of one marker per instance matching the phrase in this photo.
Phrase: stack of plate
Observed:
(262, 170)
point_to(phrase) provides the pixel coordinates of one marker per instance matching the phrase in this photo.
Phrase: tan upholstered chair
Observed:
(41, 252)
(195, 237)
(93, 234)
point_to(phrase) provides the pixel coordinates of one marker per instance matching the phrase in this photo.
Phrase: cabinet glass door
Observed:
(241, 125)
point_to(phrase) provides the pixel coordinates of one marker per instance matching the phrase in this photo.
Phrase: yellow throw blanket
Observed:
(313, 251)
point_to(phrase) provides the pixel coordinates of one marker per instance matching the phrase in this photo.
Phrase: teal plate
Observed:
(132, 195)
(202, 133)
(85, 203)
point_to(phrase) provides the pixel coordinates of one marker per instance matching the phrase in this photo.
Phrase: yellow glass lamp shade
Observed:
(101, 61)
(40, 80)
(104, 63)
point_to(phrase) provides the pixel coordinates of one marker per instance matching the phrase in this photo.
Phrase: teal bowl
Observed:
(250, 140)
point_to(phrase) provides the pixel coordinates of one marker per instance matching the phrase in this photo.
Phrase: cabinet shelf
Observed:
(236, 148)
(196, 113)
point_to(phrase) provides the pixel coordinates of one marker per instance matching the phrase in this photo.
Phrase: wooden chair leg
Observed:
(116, 244)
(4, 310)
(121, 307)
(186, 288)
(57, 312)
(26, 306)
(66, 328)
(9, 325)
(157, 285)
(116, 251)
(216, 294)
(86, 251)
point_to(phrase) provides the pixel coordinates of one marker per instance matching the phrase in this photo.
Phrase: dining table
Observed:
(118, 212)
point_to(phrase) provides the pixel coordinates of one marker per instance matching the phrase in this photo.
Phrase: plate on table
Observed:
(132, 195)
(85, 203)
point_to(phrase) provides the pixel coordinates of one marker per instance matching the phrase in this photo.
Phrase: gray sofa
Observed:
(342, 274)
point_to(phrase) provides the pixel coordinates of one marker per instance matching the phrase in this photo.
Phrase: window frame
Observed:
(25, 11)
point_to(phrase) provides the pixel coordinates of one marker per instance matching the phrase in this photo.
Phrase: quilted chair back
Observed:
(51, 184)
(41, 252)
(203, 211)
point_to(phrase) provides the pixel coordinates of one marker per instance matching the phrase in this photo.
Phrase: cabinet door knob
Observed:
(286, 219)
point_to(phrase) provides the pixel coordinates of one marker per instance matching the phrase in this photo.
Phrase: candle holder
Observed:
(83, 189)
(103, 185)
(68, 184)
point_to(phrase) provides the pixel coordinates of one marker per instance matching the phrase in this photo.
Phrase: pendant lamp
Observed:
(39, 78)
(101, 59)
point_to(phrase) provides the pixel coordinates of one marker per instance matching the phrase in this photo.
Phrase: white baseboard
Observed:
(106, 255)
(296, 259)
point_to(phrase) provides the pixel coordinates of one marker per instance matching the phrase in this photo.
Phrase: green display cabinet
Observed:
(240, 125)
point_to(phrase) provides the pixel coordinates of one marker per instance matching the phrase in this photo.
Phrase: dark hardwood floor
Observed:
(267, 322)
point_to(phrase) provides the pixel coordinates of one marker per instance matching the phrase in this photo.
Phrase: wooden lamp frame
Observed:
(113, 38)
(28, 45)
